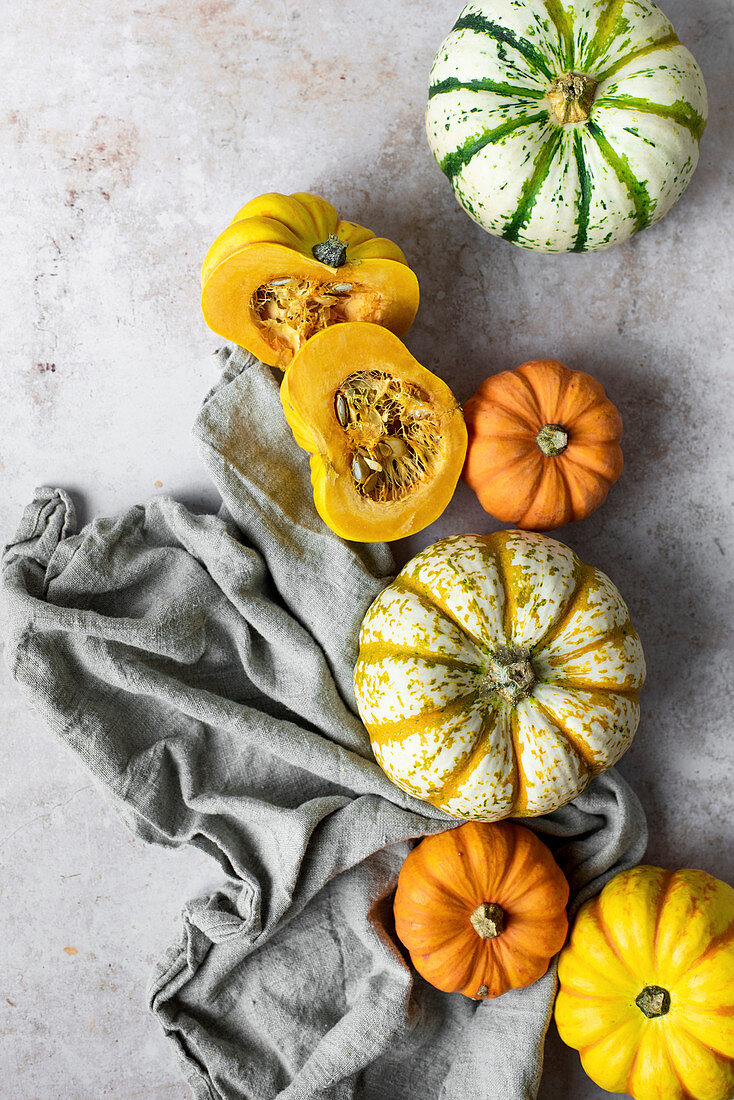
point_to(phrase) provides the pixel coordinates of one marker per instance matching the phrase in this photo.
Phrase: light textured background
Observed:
(130, 134)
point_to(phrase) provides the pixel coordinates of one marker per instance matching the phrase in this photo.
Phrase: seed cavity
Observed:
(393, 431)
(288, 311)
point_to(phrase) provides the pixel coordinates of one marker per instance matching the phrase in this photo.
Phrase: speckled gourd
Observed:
(565, 127)
(498, 674)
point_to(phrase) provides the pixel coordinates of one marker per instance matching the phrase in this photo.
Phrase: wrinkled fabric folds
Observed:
(201, 667)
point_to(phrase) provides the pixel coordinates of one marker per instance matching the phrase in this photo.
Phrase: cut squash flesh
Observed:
(386, 436)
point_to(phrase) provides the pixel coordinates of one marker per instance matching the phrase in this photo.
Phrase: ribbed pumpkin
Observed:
(565, 126)
(481, 909)
(385, 436)
(543, 445)
(497, 674)
(287, 266)
(647, 986)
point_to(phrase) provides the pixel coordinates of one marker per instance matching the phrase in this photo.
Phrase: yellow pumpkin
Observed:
(287, 267)
(647, 986)
(386, 437)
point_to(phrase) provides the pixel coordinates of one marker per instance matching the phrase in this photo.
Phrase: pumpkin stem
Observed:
(552, 439)
(654, 1001)
(488, 920)
(570, 97)
(510, 674)
(331, 252)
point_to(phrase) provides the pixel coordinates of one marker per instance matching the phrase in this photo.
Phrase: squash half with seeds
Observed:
(497, 675)
(385, 436)
(565, 127)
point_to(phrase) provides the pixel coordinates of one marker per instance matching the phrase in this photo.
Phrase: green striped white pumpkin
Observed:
(494, 119)
(498, 674)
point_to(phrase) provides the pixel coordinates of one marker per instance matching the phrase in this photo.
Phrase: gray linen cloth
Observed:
(201, 667)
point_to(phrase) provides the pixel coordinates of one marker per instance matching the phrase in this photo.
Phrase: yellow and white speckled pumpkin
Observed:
(498, 674)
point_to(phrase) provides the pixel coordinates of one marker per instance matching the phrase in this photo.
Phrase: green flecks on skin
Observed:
(621, 167)
(531, 187)
(563, 22)
(451, 84)
(503, 36)
(584, 193)
(663, 43)
(609, 26)
(453, 162)
(680, 111)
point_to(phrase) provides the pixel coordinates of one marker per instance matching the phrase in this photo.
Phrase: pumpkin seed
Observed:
(342, 410)
(370, 483)
(340, 288)
(360, 469)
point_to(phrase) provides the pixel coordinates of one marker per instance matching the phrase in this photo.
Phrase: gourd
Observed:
(287, 267)
(647, 986)
(564, 126)
(497, 675)
(386, 437)
(543, 445)
(481, 908)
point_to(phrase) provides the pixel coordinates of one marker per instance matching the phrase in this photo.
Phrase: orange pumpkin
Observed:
(481, 908)
(543, 445)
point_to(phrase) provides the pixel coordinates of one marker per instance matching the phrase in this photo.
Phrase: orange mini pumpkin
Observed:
(543, 445)
(481, 908)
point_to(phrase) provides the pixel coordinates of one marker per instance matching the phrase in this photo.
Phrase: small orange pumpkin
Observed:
(481, 908)
(543, 445)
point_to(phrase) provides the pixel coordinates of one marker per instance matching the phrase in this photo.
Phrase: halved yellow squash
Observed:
(287, 267)
(386, 437)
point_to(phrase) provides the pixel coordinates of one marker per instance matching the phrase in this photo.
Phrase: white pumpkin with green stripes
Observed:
(497, 675)
(565, 126)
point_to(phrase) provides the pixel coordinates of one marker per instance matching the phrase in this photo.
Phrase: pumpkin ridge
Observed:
(582, 574)
(662, 899)
(583, 751)
(636, 190)
(597, 473)
(468, 763)
(661, 44)
(603, 33)
(481, 25)
(521, 373)
(552, 496)
(459, 158)
(554, 389)
(506, 408)
(531, 491)
(531, 187)
(597, 914)
(711, 948)
(614, 634)
(563, 26)
(417, 589)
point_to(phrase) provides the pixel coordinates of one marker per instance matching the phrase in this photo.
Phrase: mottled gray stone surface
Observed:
(129, 135)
